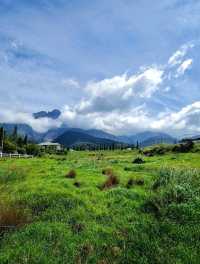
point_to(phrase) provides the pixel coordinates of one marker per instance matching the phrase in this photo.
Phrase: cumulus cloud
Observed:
(187, 119)
(121, 91)
(122, 104)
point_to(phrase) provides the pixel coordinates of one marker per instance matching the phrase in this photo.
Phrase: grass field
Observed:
(151, 214)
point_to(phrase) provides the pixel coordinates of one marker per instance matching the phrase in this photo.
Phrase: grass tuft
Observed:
(71, 174)
(112, 181)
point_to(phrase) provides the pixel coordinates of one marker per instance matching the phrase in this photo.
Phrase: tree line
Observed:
(15, 143)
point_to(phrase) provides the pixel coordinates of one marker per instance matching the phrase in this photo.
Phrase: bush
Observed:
(183, 147)
(112, 181)
(77, 184)
(138, 160)
(71, 174)
(157, 150)
(9, 147)
(32, 149)
(132, 182)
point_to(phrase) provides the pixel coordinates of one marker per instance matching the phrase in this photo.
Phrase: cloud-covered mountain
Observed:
(72, 138)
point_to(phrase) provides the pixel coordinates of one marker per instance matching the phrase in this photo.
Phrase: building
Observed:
(50, 146)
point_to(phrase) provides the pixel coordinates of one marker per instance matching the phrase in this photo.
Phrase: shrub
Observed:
(157, 150)
(77, 184)
(132, 182)
(183, 147)
(112, 181)
(71, 174)
(139, 182)
(138, 160)
(32, 149)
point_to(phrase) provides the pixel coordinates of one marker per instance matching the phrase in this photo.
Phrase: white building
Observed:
(50, 146)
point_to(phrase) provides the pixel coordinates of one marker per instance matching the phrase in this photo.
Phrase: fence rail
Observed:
(10, 155)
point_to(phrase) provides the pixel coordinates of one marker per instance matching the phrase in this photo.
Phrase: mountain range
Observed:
(73, 136)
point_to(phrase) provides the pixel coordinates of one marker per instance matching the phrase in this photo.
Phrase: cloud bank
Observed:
(126, 103)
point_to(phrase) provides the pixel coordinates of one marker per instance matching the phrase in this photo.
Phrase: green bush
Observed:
(32, 149)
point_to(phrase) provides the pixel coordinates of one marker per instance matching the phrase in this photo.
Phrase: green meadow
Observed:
(100, 207)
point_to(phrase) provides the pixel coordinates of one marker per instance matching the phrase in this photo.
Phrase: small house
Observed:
(50, 146)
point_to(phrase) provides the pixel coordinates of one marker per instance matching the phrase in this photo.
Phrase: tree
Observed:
(25, 141)
(1, 138)
(15, 132)
(32, 149)
(137, 145)
(9, 147)
(20, 142)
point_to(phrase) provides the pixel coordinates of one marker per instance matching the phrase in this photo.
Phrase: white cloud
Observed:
(39, 125)
(70, 82)
(187, 119)
(178, 56)
(121, 91)
(184, 66)
(126, 103)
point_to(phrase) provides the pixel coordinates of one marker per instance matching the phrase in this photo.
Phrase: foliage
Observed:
(15, 143)
(138, 160)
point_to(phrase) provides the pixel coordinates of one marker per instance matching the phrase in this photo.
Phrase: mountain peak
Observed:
(54, 114)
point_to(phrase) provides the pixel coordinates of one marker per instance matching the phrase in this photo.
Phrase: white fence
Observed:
(9, 155)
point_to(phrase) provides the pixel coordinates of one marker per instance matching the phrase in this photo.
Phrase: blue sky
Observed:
(105, 64)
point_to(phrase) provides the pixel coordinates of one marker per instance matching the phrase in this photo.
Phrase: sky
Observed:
(123, 66)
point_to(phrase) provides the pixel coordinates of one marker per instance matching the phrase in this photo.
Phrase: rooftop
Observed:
(49, 144)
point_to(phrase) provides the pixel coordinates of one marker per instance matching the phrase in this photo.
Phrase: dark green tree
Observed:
(25, 141)
(1, 138)
(15, 133)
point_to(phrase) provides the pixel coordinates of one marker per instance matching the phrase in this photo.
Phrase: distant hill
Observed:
(101, 134)
(148, 138)
(158, 140)
(52, 114)
(71, 138)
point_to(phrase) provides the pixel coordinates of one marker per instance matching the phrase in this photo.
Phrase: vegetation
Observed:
(14, 143)
(111, 211)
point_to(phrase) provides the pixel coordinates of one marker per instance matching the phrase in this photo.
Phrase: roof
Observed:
(49, 144)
